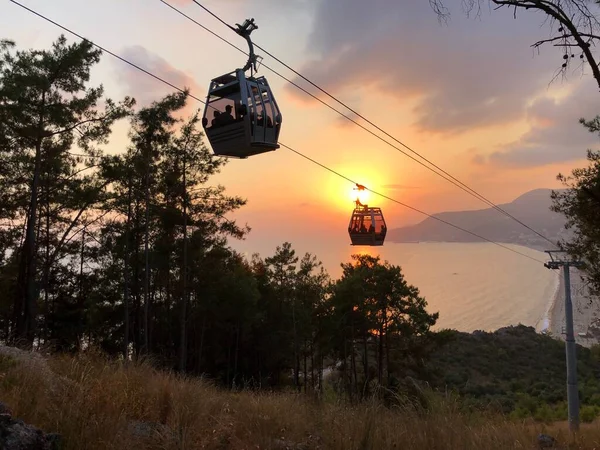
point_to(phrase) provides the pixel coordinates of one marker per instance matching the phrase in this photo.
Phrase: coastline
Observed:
(552, 315)
(585, 313)
(555, 315)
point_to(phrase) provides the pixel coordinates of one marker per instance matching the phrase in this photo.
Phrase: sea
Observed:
(473, 286)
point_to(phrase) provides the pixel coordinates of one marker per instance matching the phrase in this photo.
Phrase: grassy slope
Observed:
(92, 403)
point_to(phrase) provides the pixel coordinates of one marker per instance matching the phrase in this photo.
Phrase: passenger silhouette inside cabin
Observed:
(215, 120)
(223, 118)
(363, 229)
(226, 117)
(371, 229)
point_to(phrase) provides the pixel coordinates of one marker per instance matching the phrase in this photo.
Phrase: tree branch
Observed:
(83, 122)
(73, 223)
(557, 38)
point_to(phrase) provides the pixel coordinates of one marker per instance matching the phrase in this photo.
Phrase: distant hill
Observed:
(531, 208)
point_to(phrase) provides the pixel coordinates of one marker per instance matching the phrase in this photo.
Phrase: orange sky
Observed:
(468, 95)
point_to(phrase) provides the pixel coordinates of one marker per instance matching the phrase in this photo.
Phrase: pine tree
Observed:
(46, 109)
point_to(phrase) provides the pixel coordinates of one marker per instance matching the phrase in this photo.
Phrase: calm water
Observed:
(473, 286)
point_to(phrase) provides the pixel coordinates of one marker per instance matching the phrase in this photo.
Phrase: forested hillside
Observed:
(514, 370)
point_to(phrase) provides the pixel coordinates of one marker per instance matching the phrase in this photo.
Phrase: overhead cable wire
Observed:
(337, 111)
(446, 176)
(282, 144)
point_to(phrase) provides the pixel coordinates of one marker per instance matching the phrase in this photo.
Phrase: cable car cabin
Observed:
(367, 226)
(241, 117)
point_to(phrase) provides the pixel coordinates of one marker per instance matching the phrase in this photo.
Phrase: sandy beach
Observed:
(586, 313)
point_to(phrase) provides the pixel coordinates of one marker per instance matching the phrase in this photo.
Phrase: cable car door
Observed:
(257, 121)
(270, 113)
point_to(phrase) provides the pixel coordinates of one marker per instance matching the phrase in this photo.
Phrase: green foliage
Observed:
(514, 370)
(47, 109)
(589, 412)
(381, 321)
(580, 203)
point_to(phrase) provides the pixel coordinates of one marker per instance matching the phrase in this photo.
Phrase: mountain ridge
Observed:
(532, 208)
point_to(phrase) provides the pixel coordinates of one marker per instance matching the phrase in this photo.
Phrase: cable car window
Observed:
(222, 111)
(356, 224)
(260, 120)
(277, 114)
(252, 114)
(367, 225)
(269, 109)
(379, 224)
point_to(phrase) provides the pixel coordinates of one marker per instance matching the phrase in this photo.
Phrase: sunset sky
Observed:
(470, 95)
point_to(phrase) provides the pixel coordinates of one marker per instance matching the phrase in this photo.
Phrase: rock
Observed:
(5, 409)
(17, 435)
(545, 441)
(36, 363)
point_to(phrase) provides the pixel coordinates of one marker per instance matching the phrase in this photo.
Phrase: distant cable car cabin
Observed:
(367, 225)
(241, 116)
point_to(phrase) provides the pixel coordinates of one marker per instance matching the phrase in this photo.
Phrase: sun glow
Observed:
(342, 195)
(363, 195)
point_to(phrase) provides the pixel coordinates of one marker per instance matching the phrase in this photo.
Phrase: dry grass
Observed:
(103, 400)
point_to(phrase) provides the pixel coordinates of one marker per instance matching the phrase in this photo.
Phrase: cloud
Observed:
(467, 74)
(146, 89)
(555, 134)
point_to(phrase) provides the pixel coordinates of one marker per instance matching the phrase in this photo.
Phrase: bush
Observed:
(588, 413)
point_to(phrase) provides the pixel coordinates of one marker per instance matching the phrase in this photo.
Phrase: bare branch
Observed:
(544, 41)
(579, 25)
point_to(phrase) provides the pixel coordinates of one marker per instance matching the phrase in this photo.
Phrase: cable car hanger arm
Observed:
(244, 30)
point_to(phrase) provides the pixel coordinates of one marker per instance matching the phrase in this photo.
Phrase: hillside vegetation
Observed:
(98, 404)
(514, 371)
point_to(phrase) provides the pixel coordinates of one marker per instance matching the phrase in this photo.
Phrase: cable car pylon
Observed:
(367, 226)
(241, 116)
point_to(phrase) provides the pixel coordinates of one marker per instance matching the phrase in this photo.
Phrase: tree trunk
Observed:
(235, 358)
(353, 361)
(151, 311)
(47, 259)
(183, 307)
(321, 368)
(380, 356)
(312, 365)
(365, 365)
(80, 300)
(201, 342)
(147, 256)
(305, 377)
(27, 291)
(228, 359)
(126, 273)
(345, 370)
(387, 354)
(137, 323)
(296, 356)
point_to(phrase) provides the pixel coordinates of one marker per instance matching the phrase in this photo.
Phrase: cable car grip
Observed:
(244, 30)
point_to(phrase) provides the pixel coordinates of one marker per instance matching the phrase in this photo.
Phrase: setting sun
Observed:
(363, 195)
